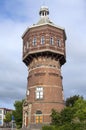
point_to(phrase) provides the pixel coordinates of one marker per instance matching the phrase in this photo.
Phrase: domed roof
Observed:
(44, 12)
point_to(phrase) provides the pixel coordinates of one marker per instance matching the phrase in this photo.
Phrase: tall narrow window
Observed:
(0, 111)
(39, 93)
(59, 42)
(27, 44)
(24, 48)
(42, 40)
(51, 41)
(34, 41)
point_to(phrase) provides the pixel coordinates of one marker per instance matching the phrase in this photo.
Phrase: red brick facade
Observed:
(44, 54)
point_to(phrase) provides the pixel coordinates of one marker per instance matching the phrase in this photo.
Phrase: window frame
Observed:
(59, 42)
(27, 44)
(51, 41)
(39, 93)
(24, 48)
(0, 111)
(34, 41)
(42, 40)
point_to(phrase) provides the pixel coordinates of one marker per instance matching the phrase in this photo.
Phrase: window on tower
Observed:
(34, 41)
(59, 42)
(42, 40)
(51, 41)
(27, 44)
(39, 93)
(24, 48)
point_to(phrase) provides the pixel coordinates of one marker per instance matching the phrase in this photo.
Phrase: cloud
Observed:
(12, 71)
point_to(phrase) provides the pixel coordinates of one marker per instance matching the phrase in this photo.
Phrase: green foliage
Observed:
(71, 100)
(8, 117)
(67, 115)
(67, 126)
(49, 128)
(72, 117)
(80, 107)
(55, 117)
(18, 113)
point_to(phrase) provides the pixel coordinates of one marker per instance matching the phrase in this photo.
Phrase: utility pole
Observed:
(12, 121)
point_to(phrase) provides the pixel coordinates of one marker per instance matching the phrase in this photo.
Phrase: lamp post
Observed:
(12, 121)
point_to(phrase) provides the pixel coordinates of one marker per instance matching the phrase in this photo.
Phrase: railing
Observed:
(34, 49)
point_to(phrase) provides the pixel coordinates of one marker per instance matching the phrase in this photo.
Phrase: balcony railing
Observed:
(42, 48)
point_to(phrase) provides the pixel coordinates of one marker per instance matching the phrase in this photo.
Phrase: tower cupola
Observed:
(44, 11)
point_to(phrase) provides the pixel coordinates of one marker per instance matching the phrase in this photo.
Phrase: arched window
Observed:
(59, 42)
(27, 44)
(38, 112)
(51, 41)
(42, 40)
(34, 41)
(24, 48)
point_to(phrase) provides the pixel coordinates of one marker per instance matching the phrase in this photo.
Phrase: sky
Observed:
(15, 17)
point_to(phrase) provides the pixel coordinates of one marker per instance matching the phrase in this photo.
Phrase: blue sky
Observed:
(15, 17)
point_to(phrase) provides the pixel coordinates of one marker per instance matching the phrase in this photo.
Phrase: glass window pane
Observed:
(37, 97)
(41, 93)
(34, 41)
(51, 41)
(58, 42)
(0, 111)
(42, 40)
(37, 93)
(0, 122)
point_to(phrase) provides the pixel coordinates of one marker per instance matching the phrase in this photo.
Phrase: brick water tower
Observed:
(43, 54)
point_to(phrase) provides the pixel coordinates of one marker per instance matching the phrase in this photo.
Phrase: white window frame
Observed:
(42, 40)
(34, 41)
(51, 41)
(39, 93)
(59, 42)
(27, 44)
(0, 111)
(24, 48)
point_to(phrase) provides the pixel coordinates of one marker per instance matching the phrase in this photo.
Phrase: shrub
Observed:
(49, 128)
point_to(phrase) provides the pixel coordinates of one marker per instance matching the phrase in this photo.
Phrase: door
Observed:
(39, 119)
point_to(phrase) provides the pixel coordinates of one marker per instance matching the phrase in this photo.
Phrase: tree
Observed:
(55, 117)
(71, 100)
(72, 117)
(8, 117)
(80, 106)
(18, 113)
(67, 114)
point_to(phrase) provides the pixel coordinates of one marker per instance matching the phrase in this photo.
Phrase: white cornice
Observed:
(39, 25)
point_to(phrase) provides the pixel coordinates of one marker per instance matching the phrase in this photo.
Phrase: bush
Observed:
(67, 126)
(49, 128)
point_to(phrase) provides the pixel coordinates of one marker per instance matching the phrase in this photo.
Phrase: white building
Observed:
(3, 112)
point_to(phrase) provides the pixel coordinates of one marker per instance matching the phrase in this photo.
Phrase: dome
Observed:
(44, 11)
